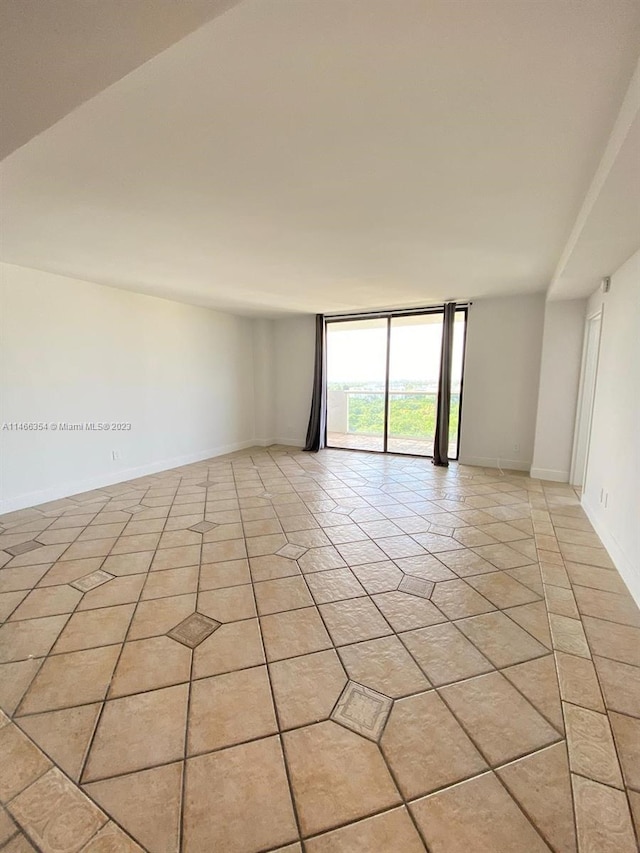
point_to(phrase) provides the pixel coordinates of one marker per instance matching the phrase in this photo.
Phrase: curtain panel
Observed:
(441, 439)
(317, 429)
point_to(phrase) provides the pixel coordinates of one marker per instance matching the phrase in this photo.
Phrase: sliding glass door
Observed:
(414, 368)
(382, 381)
(457, 370)
(356, 383)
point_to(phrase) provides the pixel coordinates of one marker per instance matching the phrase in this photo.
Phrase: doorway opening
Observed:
(382, 381)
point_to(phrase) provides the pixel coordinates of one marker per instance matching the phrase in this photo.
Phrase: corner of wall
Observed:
(611, 493)
(618, 553)
(560, 362)
(555, 476)
(263, 380)
(502, 365)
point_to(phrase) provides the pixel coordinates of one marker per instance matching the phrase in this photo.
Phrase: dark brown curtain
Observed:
(441, 440)
(316, 431)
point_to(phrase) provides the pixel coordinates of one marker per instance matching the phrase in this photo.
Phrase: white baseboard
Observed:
(281, 442)
(289, 442)
(492, 462)
(550, 474)
(263, 442)
(623, 563)
(76, 487)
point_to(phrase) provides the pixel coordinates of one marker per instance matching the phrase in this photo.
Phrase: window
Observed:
(382, 381)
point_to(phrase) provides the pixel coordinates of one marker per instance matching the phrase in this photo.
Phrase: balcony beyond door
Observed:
(356, 383)
(382, 382)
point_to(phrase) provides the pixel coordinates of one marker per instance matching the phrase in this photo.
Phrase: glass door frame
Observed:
(461, 308)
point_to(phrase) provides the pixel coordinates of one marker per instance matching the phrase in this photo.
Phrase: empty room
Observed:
(319, 426)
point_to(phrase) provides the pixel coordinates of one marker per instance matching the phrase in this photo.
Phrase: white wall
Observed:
(500, 386)
(611, 495)
(558, 392)
(294, 347)
(500, 392)
(75, 351)
(264, 380)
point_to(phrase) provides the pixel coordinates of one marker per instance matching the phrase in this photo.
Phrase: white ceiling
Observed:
(343, 154)
(56, 54)
(607, 229)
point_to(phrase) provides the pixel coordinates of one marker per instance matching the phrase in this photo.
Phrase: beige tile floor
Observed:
(387, 657)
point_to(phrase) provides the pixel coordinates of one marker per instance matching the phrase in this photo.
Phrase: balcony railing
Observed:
(355, 418)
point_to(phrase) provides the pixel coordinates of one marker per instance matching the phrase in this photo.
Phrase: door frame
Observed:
(461, 307)
(584, 418)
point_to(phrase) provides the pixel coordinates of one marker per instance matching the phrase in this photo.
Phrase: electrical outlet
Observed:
(516, 448)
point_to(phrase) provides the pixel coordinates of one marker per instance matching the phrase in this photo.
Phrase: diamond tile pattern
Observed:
(362, 710)
(92, 580)
(274, 650)
(193, 630)
(291, 551)
(22, 548)
(416, 586)
(203, 526)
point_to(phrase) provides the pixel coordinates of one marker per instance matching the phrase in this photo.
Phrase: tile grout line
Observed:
(75, 785)
(377, 742)
(185, 751)
(281, 743)
(301, 495)
(572, 773)
(455, 717)
(380, 751)
(69, 614)
(495, 668)
(107, 691)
